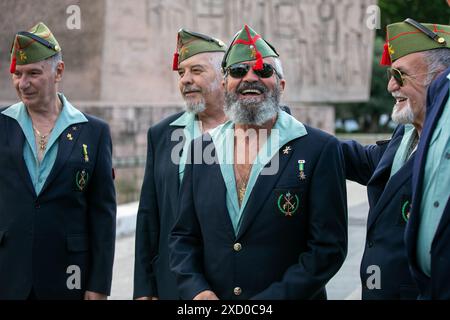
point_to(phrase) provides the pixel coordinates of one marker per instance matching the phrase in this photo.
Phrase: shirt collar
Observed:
(184, 120)
(69, 114)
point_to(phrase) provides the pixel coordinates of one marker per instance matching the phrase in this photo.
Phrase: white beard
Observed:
(402, 116)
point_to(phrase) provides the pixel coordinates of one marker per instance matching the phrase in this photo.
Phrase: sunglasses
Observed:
(400, 77)
(239, 71)
(397, 75)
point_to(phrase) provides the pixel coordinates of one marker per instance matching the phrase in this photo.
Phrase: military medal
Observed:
(85, 153)
(301, 169)
(288, 204)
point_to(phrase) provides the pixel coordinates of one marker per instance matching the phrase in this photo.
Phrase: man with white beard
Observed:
(274, 223)
(197, 61)
(416, 54)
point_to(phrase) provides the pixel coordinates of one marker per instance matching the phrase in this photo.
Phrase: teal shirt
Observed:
(191, 131)
(436, 188)
(401, 155)
(286, 129)
(40, 171)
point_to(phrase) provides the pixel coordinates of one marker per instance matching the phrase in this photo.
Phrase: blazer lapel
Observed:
(173, 172)
(16, 140)
(65, 146)
(385, 164)
(262, 189)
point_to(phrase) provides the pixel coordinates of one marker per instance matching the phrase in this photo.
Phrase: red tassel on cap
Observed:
(386, 57)
(175, 61)
(259, 61)
(12, 67)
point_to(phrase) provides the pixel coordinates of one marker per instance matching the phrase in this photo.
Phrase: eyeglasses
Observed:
(399, 76)
(239, 71)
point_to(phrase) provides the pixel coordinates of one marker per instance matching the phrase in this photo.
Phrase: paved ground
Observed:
(344, 285)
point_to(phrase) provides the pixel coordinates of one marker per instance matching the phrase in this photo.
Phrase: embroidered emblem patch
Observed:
(406, 209)
(288, 203)
(81, 179)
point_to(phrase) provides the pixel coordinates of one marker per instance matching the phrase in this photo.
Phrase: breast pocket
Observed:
(403, 210)
(435, 136)
(81, 176)
(289, 202)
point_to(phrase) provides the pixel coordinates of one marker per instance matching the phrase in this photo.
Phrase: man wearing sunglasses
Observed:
(274, 223)
(416, 54)
(57, 198)
(428, 231)
(197, 61)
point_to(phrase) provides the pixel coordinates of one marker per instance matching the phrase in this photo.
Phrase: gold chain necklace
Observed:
(242, 185)
(42, 138)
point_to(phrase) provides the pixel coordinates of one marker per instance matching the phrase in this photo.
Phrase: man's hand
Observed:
(147, 298)
(206, 295)
(89, 295)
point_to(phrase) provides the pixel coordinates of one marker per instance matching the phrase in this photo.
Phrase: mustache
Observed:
(397, 95)
(251, 86)
(190, 88)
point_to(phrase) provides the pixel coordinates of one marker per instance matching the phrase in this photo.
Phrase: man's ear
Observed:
(59, 71)
(283, 83)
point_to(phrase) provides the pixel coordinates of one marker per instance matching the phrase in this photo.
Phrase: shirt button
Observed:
(237, 291)
(436, 204)
(237, 247)
(447, 156)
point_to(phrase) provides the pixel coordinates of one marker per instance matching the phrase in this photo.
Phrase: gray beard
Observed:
(195, 107)
(250, 111)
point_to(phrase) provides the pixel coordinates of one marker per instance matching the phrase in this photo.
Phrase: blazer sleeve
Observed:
(361, 161)
(185, 241)
(102, 217)
(327, 241)
(147, 231)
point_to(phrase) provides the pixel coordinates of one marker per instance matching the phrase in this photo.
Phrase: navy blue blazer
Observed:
(389, 202)
(274, 255)
(156, 214)
(45, 237)
(438, 287)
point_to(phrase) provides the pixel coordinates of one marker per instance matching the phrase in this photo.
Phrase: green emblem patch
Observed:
(288, 203)
(81, 179)
(406, 208)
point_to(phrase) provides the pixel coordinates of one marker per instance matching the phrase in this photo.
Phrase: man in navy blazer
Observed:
(387, 167)
(262, 211)
(197, 62)
(431, 202)
(57, 199)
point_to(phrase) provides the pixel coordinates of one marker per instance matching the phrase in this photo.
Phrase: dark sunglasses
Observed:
(397, 75)
(239, 71)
